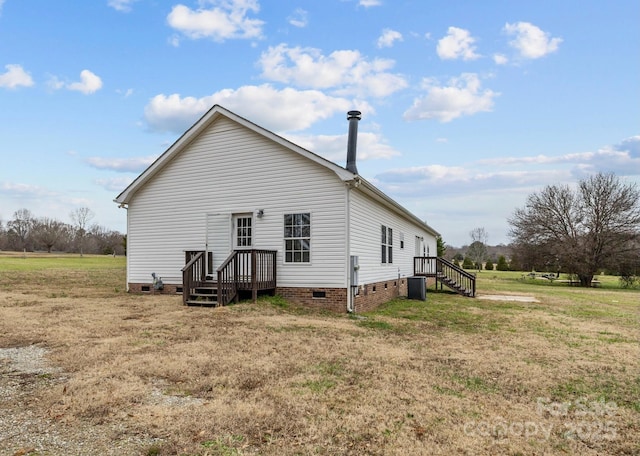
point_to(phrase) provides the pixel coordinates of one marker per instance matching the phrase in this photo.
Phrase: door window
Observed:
(243, 232)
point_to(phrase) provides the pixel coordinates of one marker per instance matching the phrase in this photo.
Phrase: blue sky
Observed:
(467, 106)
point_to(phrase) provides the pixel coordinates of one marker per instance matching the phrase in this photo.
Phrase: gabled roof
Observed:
(218, 111)
(207, 119)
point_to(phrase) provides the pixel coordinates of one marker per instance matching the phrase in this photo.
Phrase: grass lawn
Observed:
(16, 261)
(558, 374)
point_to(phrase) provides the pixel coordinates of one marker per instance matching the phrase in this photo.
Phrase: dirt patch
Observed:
(25, 360)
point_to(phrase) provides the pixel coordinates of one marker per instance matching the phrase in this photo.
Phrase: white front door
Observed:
(419, 246)
(218, 240)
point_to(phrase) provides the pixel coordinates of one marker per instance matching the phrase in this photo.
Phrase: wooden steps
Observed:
(446, 273)
(205, 295)
(455, 286)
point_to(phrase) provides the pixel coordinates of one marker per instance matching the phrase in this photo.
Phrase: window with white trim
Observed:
(297, 238)
(387, 245)
(243, 231)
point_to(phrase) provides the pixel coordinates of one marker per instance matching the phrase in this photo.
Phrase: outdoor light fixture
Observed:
(260, 213)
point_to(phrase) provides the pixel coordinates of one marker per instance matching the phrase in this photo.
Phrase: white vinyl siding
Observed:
(367, 216)
(229, 169)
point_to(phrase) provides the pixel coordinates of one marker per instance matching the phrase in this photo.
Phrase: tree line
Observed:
(27, 232)
(582, 231)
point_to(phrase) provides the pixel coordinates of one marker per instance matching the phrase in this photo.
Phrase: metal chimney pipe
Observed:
(353, 117)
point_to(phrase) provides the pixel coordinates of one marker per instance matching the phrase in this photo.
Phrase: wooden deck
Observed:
(244, 270)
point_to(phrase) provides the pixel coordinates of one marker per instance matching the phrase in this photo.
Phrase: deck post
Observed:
(254, 277)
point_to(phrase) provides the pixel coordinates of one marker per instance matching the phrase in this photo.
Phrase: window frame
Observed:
(243, 232)
(386, 244)
(296, 238)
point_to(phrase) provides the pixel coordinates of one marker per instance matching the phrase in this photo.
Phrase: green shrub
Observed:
(502, 264)
(489, 265)
(629, 281)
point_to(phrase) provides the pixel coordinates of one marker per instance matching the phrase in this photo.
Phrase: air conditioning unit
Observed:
(417, 288)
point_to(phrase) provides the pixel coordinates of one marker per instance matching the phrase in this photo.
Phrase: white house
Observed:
(230, 187)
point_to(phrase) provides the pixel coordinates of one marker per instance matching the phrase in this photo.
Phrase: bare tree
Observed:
(49, 232)
(19, 229)
(595, 226)
(477, 250)
(105, 241)
(81, 218)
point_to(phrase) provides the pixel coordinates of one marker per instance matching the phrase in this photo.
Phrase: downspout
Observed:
(353, 117)
(125, 206)
(347, 238)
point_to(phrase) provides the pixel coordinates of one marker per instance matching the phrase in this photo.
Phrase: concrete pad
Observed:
(507, 298)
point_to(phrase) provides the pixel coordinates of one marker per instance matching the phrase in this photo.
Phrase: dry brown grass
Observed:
(482, 378)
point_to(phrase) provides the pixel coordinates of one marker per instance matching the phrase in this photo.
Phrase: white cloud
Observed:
(371, 146)
(513, 173)
(126, 165)
(278, 110)
(24, 191)
(344, 71)
(299, 18)
(369, 3)
(89, 83)
(15, 76)
(460, 180)
(430, 173)
(498, 185)
(115, 184)
(174, 40)
(54, 83)
(458, 44)
(500, 59)
(125, 93)
(630, 145)
(46, 202)
(121, 5)
(462, 97)
(530, 41)
(174, 113)
(1, 2)
(388, 38)
(622, 159)
(223, 20)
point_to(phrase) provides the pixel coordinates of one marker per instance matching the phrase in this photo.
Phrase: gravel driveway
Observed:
(26, 429)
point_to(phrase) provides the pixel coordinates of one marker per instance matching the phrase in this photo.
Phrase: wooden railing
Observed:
(252, 270)
(227, 280)
(193, 273)
(445, 272)
(246, 270)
